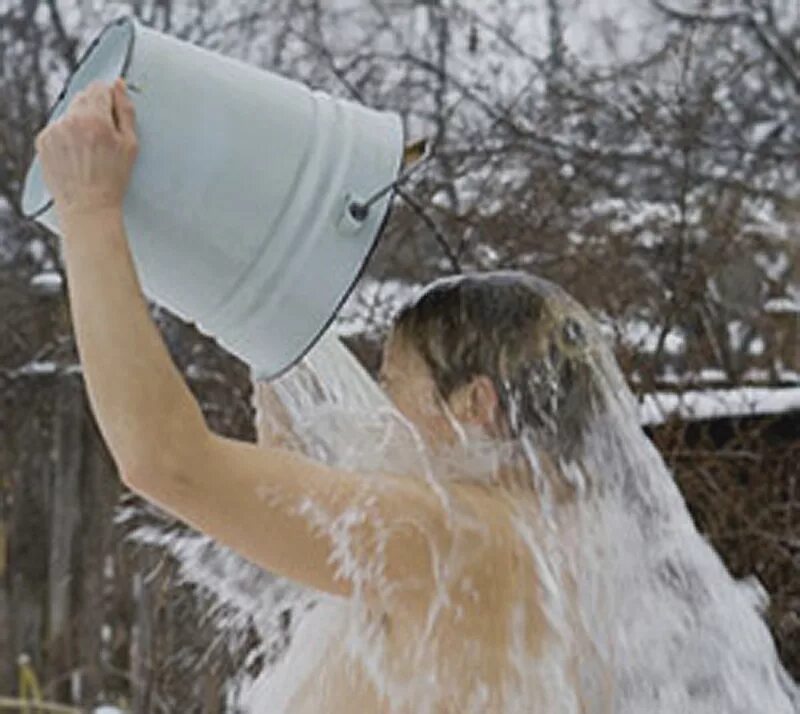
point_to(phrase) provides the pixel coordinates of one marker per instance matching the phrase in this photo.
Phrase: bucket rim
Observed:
(133, 25)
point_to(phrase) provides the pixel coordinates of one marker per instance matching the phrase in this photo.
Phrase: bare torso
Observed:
(467, 651)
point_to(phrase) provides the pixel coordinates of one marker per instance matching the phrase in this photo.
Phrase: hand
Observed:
(88, 153)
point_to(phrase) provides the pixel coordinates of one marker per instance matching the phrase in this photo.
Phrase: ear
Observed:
(477, 403)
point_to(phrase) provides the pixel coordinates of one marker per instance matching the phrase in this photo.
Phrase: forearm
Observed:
(143, 407)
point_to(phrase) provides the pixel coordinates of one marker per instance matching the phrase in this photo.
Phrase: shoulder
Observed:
(476, 569)
(492, 505)
(495, 541)
(483, 542)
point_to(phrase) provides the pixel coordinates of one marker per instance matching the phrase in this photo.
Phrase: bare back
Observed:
(465, 661)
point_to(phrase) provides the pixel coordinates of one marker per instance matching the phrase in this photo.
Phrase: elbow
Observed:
(163, 483)
(145, 478)
(162, 463)
(137, 480)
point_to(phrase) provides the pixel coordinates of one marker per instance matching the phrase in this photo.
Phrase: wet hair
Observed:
(524, 333)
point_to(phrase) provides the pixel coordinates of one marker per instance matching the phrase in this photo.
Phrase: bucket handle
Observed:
(414, 155)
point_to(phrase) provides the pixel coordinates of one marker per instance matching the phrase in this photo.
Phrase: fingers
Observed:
(101, 112)
(111, 105)
(124, 109)
(95, 98)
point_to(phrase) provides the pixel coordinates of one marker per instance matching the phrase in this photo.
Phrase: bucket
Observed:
(254, 202)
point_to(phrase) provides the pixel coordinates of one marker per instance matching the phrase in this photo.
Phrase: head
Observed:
(503, 353)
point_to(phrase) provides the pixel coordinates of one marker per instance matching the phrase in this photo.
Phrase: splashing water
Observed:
(609, 600)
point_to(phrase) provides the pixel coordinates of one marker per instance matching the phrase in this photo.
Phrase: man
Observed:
(244, 495)
(545, 562)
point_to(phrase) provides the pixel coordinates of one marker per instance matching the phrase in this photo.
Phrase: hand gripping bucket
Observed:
(246, 207)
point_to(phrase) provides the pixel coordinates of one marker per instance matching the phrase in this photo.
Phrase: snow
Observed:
(644, 337)
(695, 405)
(783, 306)
(757, 347)
(36, 249)
(48, 282)
(36, 368)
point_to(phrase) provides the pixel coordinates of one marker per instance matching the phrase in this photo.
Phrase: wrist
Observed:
(70, 218)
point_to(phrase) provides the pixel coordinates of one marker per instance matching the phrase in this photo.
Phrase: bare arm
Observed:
(280, 509)
(248, 497)
(143, 408)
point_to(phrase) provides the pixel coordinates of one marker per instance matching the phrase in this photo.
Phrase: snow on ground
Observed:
(696, 405)
(783, 305)
(36, 368)
(48, 282)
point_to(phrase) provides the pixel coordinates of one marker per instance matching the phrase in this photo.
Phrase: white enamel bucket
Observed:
(243, 207)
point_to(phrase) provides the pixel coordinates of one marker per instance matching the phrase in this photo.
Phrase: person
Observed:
(247, 495)
(535, 598)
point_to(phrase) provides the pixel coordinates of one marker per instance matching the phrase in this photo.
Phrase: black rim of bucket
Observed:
(125, 20)
(348, 290)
